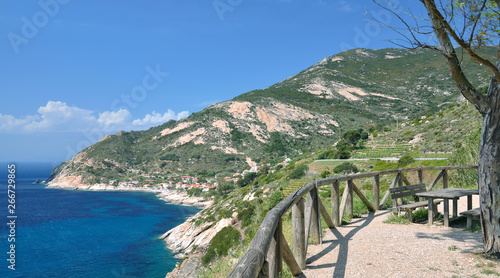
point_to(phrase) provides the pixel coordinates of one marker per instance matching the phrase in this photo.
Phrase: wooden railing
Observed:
(269, 247)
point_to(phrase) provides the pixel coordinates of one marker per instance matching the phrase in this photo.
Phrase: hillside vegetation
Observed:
(248, 207)
(306, 112)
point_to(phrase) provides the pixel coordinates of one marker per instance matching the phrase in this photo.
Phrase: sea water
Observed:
(73, 233)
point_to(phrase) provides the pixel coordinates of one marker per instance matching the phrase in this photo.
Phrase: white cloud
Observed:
(156, 118)
(118, 118)
(57, 116)
(60, 116)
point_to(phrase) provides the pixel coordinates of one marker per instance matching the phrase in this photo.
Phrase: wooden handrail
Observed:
(262, 261)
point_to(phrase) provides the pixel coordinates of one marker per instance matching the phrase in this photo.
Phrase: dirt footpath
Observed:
(370, 248)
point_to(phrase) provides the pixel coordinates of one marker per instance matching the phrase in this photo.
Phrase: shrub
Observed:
(344, 154)
(170, 157)
(225, 188)
(221, 243)
(467, 154)
(247, 179)
(299, 172)
(325, 174)
(327, 154)
(245, 214)
(346, 167)
(405, 160)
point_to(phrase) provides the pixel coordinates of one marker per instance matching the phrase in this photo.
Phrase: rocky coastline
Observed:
(168, 195)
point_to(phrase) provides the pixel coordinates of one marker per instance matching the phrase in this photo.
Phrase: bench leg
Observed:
(446, 206)
(469, 221)
(434, 209)
(430, 212)
(455, 207)
(410, 215)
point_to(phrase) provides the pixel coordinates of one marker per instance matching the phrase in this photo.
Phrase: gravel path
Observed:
(370, 248)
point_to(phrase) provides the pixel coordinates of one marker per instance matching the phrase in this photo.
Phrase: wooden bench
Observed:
(406, 191)
(471, 214)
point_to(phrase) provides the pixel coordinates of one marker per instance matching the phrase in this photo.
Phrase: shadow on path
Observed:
(343, 243)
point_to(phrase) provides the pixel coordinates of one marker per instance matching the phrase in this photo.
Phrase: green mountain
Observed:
(299, 114)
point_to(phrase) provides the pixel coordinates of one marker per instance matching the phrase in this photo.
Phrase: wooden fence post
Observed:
(274, 255)
(393, 184)
(315, 216)
(335, 204)
(350, 201)
(445, 178)
(420, 175)
(264, 271)
(400, 181)
(293, 266)
(376, 192)
(436, 180)
(299, 238)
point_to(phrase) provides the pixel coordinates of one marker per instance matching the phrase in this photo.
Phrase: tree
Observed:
(249, 177)
(470, 24)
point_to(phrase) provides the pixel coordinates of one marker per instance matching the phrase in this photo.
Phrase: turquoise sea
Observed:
(71, 233)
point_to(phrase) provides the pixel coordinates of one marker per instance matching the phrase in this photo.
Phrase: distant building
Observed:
(255, 169)
(122, 184)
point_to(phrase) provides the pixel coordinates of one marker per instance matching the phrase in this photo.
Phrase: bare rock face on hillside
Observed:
(184, 237)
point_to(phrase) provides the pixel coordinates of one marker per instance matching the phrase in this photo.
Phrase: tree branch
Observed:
(440, 26)
(462, 43)
(476, 21)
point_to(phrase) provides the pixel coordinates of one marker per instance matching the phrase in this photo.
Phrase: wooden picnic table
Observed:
(446, 194)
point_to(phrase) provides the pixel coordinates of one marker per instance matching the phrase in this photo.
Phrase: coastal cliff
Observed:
(193, 240)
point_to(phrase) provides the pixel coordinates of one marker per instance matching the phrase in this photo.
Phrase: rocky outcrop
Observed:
(67, 182)
(193, 240)
(188, 267)
(181, 198)
(184, 237)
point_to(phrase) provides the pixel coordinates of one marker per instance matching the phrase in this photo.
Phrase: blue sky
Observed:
(73, 71)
